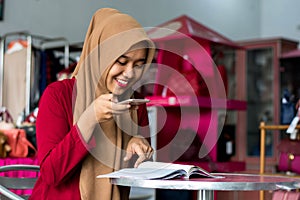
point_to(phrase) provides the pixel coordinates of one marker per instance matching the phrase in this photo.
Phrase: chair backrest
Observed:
(17, 178)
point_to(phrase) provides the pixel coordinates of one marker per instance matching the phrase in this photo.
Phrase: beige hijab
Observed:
(110, 35)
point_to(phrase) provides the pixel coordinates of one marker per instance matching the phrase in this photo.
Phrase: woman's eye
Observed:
(139, 66)
(121, 62)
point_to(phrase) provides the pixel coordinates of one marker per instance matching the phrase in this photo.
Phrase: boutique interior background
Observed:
(236, 19)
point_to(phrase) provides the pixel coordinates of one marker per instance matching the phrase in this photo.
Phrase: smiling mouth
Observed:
(122, 83)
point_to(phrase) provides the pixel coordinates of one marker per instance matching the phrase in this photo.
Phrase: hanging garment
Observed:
(49, 68)
(14, 82)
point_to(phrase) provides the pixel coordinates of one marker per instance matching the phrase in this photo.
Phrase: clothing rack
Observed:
(28, 66)
(33, 41)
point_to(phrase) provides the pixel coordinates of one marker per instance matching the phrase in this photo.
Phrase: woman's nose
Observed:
(129, 72)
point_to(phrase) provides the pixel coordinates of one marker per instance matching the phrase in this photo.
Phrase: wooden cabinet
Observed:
(261, 88)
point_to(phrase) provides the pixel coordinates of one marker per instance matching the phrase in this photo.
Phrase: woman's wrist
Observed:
(87, 123)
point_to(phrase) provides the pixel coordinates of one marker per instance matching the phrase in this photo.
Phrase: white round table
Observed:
(206, 186)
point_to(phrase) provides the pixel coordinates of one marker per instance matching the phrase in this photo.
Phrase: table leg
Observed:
(205, 195)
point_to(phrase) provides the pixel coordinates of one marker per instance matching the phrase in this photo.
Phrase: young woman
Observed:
(82, 131)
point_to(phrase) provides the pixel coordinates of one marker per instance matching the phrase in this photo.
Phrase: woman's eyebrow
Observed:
(129, 58)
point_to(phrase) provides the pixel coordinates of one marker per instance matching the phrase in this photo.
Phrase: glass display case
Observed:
(259, 97)
(260, 62)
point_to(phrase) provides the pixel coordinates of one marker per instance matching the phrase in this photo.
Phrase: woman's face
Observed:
(126, 71)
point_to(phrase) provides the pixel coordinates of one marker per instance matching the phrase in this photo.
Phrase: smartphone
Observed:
(134, 102)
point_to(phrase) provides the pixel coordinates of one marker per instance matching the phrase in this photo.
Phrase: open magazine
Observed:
(160, 170)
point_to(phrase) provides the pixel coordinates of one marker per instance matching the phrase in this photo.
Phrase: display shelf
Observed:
(202, 102)
(13, 161)
(193, 88)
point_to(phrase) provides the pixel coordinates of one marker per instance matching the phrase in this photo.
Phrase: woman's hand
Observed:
(139, 146)
(102, 109)
(106, 107)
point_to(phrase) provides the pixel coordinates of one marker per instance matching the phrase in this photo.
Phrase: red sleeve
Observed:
(60, 148)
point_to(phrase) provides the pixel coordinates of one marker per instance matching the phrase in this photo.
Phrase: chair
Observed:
(17, 180)
(263, 128)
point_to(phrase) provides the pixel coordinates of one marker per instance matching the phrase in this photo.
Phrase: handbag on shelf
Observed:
(29, 126)
(20, 146)
(289, 158)
(30, 130)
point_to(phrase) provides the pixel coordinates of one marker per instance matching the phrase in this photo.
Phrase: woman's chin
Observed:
(118, 92)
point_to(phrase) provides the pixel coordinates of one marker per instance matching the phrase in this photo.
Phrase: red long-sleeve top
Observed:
(61, 150)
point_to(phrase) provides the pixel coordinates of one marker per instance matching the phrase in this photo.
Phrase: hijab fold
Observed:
(110, 35)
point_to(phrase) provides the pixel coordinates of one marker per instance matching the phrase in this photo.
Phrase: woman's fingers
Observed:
(119, 108)
(140, 147)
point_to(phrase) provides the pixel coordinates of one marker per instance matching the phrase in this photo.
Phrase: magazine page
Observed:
(199, 171)
(159, 170)
(144, 173)
(189, 169)
(163, 165)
